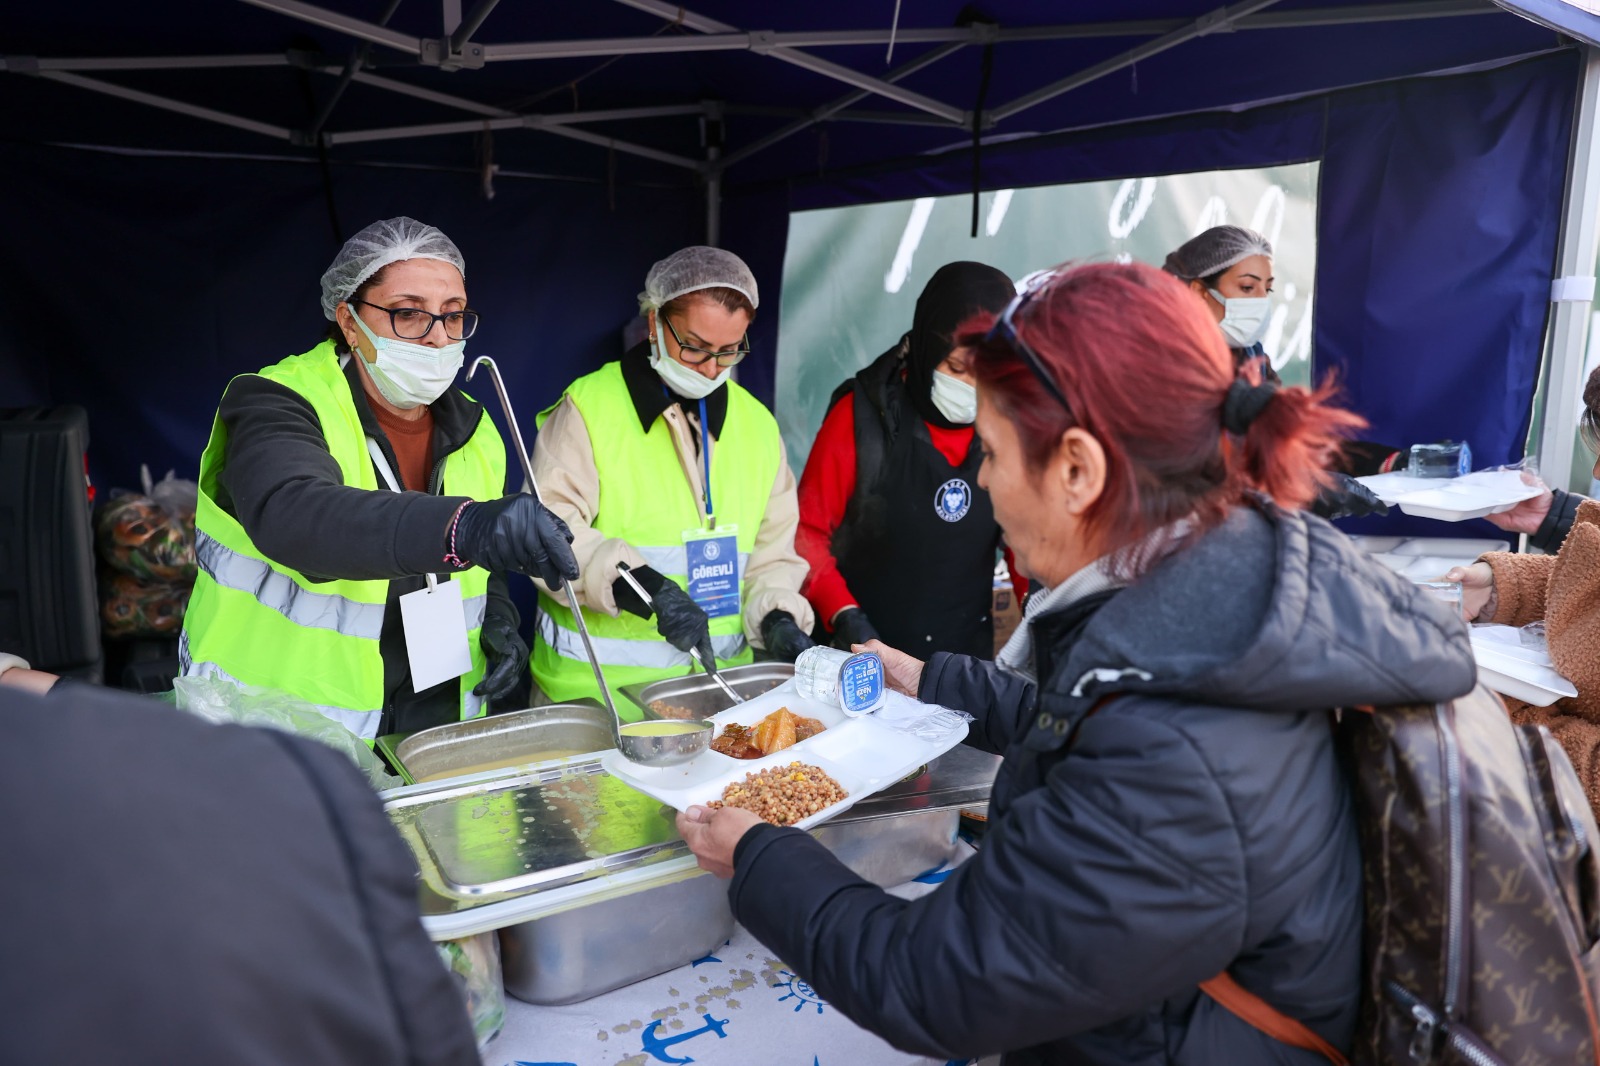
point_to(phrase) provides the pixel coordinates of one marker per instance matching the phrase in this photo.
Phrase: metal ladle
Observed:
(645, 748)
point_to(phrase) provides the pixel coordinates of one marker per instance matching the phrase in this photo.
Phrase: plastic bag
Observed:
(474, 962)
(925, 721)
(130, 607)
(150, 536)
(218, 700)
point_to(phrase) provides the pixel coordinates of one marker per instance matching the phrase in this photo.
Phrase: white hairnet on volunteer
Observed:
(694, 268)
(375, 247)
(1214, 251)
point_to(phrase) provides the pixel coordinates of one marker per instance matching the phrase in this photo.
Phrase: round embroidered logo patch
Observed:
(953, 500)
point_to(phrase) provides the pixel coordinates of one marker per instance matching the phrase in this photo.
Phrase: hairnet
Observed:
(695, 268)
(382, 243)
(1214, 251)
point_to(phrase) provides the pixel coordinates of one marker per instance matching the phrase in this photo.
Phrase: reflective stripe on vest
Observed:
(259, 622)
(320, 610)
(654, 654)
(648, 502)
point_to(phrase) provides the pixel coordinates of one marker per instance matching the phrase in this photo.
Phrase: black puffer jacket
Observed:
(1198, 823)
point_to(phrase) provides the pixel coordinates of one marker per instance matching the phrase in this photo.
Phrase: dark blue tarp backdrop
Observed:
(137, 285)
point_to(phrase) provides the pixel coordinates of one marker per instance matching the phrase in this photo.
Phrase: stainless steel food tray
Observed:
(700, 695)
(593, 889)
(520, 737)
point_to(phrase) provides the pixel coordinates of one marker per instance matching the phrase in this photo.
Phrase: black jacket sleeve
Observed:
(382, 875)
(998, 702)
(1089, 902)
(283, 485)
(1558, 523)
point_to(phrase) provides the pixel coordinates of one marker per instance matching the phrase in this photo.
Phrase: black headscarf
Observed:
(956, 292)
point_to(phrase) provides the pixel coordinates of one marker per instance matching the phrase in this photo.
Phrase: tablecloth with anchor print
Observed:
(738, 1006)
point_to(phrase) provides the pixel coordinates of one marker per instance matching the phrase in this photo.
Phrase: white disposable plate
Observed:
(1510, 668)
(1377, 545)
(1422, 567)
(1475, 496)
(1449, 547)
(862, 754)
(1391, 487)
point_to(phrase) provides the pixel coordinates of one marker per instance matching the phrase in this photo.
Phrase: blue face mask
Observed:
(683, 380)
(1244, 318)
(954, 398)
(409, 375)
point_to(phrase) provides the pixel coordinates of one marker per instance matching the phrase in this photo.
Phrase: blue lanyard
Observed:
(705, 457)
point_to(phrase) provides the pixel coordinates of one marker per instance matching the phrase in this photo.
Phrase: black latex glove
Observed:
(1347, 498)
(850, 626)
(505, 658)
(783, 637)
(679, 619)
(516, 533)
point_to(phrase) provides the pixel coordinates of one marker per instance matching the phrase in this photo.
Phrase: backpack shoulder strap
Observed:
(1259, 1014)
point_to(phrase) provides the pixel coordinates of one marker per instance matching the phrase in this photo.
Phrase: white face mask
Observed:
(683, 380)
(1244, 318)
(409, 375)
(954, 398)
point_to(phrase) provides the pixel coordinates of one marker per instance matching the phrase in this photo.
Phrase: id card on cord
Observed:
(713, 569)
(435, 624)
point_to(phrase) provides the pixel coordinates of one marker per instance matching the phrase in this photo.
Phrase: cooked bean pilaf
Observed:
(783, 795)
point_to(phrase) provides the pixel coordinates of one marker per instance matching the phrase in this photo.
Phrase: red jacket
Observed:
(825, 489)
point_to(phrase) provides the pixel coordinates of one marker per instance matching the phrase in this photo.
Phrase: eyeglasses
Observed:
(413, 323)
(725, 358)
(1005, 328)
(1589, 431)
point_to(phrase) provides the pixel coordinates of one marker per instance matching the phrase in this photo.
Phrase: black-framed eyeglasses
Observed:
(699, 356)
(1005, 328)
(413, 323)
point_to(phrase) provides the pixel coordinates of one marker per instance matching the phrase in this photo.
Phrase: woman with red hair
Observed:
(1170, 812)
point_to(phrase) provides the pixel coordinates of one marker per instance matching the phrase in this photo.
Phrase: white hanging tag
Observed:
(434, 619)
(435, 624)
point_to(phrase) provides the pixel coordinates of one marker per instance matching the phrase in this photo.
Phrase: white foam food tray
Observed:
(1455, 499)
(863, 754)
(1511, 668)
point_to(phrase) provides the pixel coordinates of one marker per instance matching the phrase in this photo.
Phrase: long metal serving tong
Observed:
(709, 668)
(533, 487)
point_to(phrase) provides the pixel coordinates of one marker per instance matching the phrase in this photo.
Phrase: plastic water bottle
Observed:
(853, 682)
(1448, 458)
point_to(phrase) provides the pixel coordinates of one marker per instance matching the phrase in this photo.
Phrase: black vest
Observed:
(918, 539)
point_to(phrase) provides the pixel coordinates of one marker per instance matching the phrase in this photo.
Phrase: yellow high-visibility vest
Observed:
(257, 622)
(646, 500)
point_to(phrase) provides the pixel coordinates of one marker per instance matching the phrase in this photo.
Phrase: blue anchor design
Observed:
(656, 1045)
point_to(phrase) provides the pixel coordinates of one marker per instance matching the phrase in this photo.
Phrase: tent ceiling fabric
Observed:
(622, 90)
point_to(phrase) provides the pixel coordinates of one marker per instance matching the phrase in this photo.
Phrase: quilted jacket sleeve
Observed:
(1118, 884)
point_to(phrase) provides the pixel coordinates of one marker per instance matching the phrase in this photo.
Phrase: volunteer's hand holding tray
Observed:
(1514, 669)
(864, 755)
(1455, 499)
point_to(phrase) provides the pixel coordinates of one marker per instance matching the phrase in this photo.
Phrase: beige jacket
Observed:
(563, 462)
(1563, 590)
